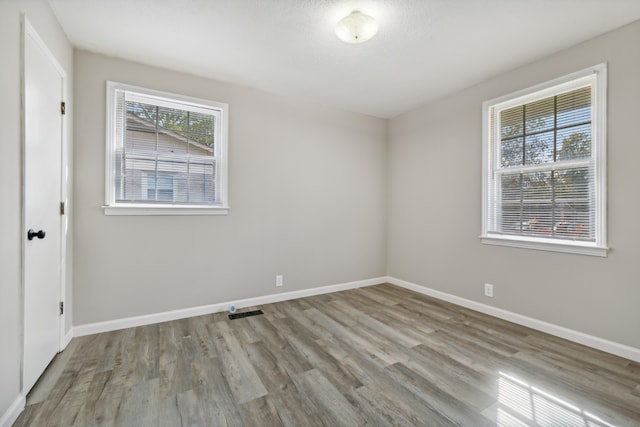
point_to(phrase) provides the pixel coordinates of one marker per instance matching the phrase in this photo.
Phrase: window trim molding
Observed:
(597, 78)
(550, 245)
(138, 209)
(110, 206)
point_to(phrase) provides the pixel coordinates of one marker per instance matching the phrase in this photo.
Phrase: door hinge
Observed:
(61, 208)
(61, 306)
(63, 108)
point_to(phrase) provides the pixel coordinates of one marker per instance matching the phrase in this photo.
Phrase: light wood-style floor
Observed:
(375, 356)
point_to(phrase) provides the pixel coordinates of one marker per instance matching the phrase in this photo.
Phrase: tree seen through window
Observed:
(544, 189)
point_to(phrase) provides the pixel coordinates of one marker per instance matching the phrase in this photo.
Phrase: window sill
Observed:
(579, 248)
(165, 210)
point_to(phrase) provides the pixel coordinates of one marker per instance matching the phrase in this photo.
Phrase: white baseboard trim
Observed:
(13, 412)
(148, 319)
(618, 349)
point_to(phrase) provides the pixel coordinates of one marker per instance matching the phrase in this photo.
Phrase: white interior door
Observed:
(43, 93)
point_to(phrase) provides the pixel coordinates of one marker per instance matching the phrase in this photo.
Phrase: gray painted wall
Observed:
(45, 23)
(307, 197)
(435, 203)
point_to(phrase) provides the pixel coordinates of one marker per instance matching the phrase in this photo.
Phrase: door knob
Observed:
(31, 234)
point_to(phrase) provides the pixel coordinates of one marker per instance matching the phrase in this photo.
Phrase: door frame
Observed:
(28, 30)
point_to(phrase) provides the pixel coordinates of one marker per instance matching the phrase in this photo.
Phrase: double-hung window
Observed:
(544, 166)
(166, 154)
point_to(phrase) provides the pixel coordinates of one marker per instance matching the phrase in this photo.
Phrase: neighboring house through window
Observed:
(544, 166)
(166, 153)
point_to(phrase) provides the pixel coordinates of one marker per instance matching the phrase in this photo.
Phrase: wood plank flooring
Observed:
(379, 356)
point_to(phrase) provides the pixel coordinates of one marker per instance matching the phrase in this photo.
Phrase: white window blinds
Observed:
(544, 177)
(164, 151)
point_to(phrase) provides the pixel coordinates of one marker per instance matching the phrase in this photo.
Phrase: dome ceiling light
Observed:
(356, 27)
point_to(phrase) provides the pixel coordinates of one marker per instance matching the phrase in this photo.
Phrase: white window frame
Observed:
(596, 77)
(111, 207)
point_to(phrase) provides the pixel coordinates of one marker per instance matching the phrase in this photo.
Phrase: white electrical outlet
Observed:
(488, 290)
(279, 280)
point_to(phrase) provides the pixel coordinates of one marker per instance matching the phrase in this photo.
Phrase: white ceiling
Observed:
(424, 49)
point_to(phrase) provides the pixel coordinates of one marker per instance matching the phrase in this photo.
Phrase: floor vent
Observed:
(245, 314)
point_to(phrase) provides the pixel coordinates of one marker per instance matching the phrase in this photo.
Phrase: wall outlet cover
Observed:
(488, 290)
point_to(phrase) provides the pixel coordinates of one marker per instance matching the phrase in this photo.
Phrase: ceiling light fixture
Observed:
(356, 27)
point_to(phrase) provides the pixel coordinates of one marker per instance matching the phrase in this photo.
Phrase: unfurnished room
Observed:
(319, 213)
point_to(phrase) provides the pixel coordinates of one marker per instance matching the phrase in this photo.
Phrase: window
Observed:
(544, 166)
(166, 153)
(160, 187)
